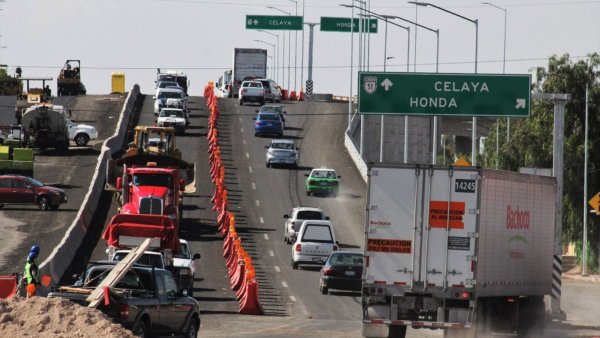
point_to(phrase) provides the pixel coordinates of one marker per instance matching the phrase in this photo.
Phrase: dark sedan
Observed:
(342, 271)
(268, 123)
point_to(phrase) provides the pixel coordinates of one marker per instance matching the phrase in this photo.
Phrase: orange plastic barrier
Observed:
(293, 95)
(284, 94)
(8, 286)
(301, 96)
(249, 304)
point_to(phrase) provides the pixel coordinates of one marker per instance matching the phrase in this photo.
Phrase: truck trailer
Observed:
(463, 249)
(248, 64)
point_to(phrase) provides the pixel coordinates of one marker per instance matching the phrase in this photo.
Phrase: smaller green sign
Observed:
(333, 24)
(274, 22)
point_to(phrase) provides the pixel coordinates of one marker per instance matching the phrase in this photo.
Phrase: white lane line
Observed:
(240, 119)
(284, 284)
(257, 202)
(250, 169)
(262, 221)
(244, 141)
(271, 253)
(266, 235)
(293, 298)
(277, 268)
(253, 186)
(247, 155)
(242, 130)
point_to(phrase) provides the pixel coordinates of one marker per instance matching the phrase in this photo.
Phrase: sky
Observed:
(198, 38)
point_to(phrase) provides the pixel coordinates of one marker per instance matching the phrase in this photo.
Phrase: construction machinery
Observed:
(9, 85)
(14, 159)
(45, 126)
(69, 79)
(29, 96)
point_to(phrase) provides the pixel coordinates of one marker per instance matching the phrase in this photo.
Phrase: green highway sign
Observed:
(332, 24)
(495, 95)
(274, 22)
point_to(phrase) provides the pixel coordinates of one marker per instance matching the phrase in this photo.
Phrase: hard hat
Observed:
(35, 248)
(32, 256)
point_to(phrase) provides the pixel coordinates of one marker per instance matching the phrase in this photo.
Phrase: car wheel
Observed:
(307, 193)
(44, 203)
(1, 206)
(268, 165)
(294, 265)
(262, 102)
(81, 140)
(190, 292)
(324, 290)
(140, 330)
(192, 331)
(241, 103)
(255, 134)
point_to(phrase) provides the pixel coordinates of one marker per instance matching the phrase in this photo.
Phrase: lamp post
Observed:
(476, 22)
(272, 45)
(289, 44)
(277, 53)
(503, 72)
(302, 50)
(296, 47)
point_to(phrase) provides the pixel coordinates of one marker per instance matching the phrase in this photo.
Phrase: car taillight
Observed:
(244, 90)
(328, 272)
(124, 311)
(298, 247)
(267, 91)
(335, 248)
(257, 123)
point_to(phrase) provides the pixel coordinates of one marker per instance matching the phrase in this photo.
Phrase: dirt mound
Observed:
(52, 318)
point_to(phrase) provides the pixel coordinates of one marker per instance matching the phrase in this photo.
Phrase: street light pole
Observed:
(289, 44)
(270, 44)
(476, 22)
(302, 50)
(277, 53)
(296, 47)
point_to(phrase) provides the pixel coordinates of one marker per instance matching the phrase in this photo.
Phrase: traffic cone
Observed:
(293, 95)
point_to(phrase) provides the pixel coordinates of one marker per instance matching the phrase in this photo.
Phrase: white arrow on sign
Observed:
(520, 103)
(373, 25)
(255, 22)
(387, 84)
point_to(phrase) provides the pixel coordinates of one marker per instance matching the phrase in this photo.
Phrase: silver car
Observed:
(282, 152)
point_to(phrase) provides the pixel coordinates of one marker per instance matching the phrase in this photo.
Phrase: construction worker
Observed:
(19, 71)
(32, 272)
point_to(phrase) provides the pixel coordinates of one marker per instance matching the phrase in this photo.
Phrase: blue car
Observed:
(268, 123)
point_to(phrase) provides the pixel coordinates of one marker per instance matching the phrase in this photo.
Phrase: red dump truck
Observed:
(463, 249)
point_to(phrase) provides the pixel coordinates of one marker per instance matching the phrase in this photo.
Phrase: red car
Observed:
(16, 189)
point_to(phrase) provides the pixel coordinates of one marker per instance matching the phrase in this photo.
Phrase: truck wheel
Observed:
(82, 140)
(44, 203)
(397, 331)
(140, 330)
(192, 330)
(531, 317)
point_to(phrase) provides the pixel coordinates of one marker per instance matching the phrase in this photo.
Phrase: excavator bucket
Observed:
(143, 226)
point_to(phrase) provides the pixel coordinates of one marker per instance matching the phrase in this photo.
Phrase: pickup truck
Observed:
(146, 300)
(252, 91)
(316, 241)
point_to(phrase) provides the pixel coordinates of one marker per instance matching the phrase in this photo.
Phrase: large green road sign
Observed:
(277, 22)
(444, 94)
(332, 24)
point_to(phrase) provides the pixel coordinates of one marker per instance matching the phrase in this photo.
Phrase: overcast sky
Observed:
(198, 37)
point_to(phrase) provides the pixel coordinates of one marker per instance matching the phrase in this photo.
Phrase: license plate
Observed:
(317, 260)
(349, 273)
(323, 183)
(269, 124)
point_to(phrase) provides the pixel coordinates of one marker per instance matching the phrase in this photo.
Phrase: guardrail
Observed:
(63, 254)
(355, 155)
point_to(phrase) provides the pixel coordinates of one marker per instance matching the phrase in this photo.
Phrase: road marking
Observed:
(257, 202)
(242, 130)
(293, 298)
(250, 169)
(284, 284)
(240, 119)
(266, 235)
(277, 268)
(263, 221)
(244, 141)
(271, 253)
(253, 186)
(247, 155)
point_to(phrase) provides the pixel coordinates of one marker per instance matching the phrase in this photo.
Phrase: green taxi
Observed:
(322, 181)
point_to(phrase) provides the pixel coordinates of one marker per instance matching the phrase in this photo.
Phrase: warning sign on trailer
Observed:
(441, 211)
(389, 245)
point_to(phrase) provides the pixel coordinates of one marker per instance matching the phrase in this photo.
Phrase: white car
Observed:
(172, 117)
(162, 94)
(295, 219)
(81, 134)
(251, 91)
(282, 152)
(315, 242)
(185, 264)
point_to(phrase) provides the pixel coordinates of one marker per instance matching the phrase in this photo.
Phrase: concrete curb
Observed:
(63, 254)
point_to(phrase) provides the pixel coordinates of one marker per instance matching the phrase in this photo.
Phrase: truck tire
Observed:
(81, 139)
(140, 330)
(397, 331)
(531, 317)
(192, 329)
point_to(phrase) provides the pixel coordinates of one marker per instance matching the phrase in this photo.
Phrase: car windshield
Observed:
(153, 180)
(136, 279)
(252, 84)
(170, 95)
(268, 117)
(281, 145)
(171, 113)
(185, 252)
(351, 259)
(323, 174)
(309, 214)
(317, 233)
(164, 84)
(146, 259)
(34, 182)
(274, 109)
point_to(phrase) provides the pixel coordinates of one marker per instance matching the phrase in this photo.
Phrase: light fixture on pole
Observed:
(476, 22)
(503, 72)
(289, 44)
(277, 53)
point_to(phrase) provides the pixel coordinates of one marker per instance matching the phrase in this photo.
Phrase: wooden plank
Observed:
(117, 273)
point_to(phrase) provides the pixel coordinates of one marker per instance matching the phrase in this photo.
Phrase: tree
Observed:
(530, 143)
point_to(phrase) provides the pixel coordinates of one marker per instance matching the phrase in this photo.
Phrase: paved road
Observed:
(24, 225)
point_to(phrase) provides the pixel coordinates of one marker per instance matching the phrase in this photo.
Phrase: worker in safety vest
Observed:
(32, 272)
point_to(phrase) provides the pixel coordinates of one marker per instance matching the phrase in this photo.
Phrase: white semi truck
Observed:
(248, 64)
(462, 249)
